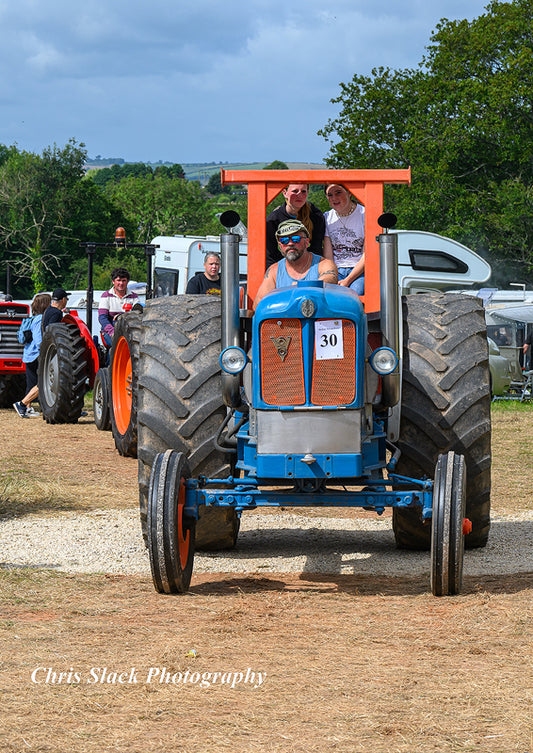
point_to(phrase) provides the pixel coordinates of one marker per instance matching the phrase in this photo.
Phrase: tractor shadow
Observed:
(368, 560)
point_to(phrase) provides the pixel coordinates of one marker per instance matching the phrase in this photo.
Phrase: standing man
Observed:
(298, 263)
(115, 301)
(528, 343)
(54, 312)
(207, 282)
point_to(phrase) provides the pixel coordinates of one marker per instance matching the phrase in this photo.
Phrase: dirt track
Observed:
(353, 662)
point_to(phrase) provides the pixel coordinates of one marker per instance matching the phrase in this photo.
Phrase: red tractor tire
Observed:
(123, 370)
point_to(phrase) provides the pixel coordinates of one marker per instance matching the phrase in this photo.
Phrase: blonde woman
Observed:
(344, 241)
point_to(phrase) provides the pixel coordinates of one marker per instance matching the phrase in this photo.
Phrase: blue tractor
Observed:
(312, 402)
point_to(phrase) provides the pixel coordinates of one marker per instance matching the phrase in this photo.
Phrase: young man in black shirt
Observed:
(207, 282)
(54, 312)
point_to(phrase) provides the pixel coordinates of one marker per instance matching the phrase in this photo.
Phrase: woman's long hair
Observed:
(40, 303)
(304, 215)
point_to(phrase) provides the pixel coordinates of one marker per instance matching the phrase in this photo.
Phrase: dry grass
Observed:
(49, 468)
(353, 663)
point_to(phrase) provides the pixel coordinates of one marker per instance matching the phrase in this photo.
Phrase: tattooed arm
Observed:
(268, 284)
(327, 271)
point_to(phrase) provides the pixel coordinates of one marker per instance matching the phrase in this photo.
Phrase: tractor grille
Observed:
(333, 382)
(9, 345)
(282, 372)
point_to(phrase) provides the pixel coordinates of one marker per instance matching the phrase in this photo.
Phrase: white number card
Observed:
(328, 340)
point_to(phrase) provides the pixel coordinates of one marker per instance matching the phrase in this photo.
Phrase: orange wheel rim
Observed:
(122, 386)
(183, 540)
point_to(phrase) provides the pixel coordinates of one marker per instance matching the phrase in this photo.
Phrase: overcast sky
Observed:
(197, 80)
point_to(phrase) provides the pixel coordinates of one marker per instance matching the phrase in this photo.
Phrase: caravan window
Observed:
(165, 282)
(436, 261)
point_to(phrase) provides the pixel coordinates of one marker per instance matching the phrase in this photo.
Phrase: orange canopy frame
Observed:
(365, 185)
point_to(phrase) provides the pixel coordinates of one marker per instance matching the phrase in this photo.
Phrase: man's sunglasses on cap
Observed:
(286, 239)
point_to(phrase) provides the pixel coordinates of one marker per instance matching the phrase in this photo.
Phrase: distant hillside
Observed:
(200, 171)
(203, 171)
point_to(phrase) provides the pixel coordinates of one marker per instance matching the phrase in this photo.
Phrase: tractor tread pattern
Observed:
(445, 405)
(180, 399)
(72, 359)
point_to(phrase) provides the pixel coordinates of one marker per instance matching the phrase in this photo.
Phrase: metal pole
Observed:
(91, 248)
(8, 278)
(229, 246)
(388, 255)
(149, 251)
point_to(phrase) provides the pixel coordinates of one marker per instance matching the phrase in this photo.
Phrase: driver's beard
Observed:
(293, 254)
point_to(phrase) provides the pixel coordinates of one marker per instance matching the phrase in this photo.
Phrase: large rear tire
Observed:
(445, 405)
(123, 369)
(62, 373)
(180, 402)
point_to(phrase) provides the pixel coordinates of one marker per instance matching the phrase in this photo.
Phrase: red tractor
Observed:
(12, 369)
(73, 362)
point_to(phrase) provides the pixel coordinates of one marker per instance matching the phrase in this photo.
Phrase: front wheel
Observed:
(170, 531)
(102, 417)
(447, 536)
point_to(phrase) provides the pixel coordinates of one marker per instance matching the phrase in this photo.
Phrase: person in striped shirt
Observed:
(115, 301)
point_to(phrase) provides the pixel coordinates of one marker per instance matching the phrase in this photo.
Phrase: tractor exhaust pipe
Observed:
(390, 325)
(229, 246)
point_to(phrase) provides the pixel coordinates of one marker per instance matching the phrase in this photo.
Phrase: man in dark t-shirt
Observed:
(54, 312)
(207, 282)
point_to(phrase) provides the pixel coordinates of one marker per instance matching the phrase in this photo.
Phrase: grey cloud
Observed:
(199, 79)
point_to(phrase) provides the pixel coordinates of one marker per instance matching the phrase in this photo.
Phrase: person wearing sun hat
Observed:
(297, 262)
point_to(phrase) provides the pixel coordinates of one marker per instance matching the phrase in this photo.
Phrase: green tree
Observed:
(46, 209)
(170, 171)
(162, 206)
(118, 172)
(463, 120)
(214, 185)
(276, 165)
(39, 198)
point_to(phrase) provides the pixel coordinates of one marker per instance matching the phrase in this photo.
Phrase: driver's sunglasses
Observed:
(286, 239)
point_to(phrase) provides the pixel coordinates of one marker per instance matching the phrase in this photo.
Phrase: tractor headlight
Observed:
(233, 360)
(384, 361)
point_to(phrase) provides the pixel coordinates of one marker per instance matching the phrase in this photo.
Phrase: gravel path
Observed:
(109, 541)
